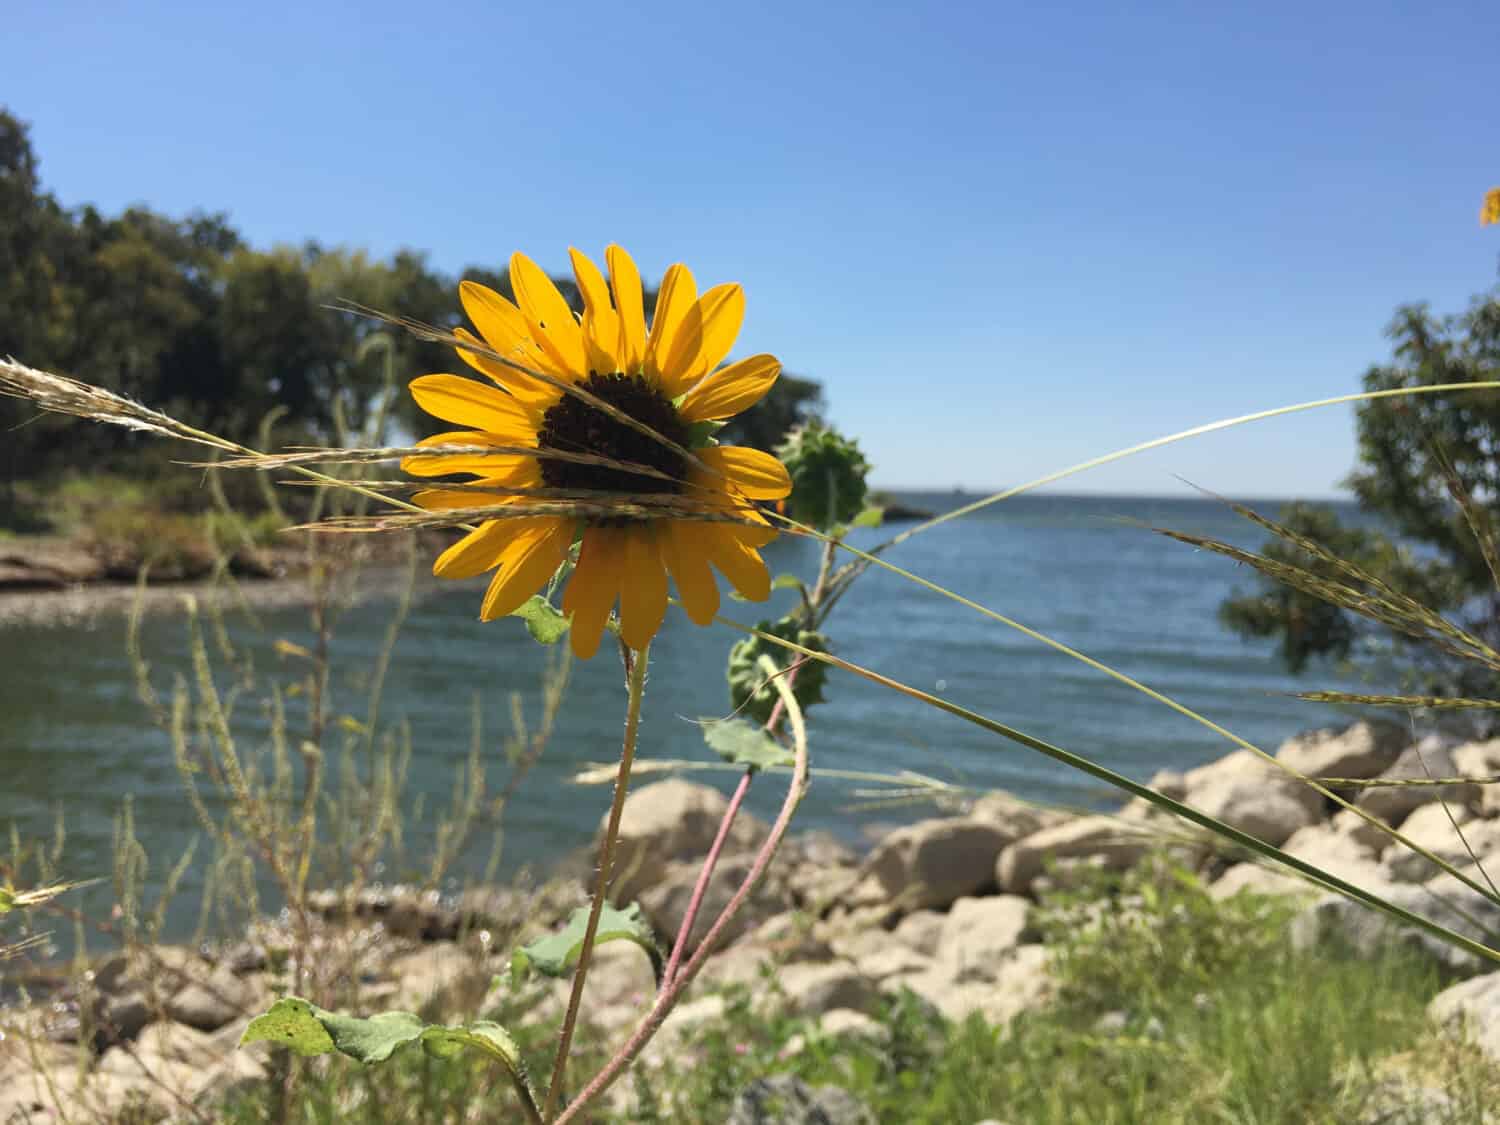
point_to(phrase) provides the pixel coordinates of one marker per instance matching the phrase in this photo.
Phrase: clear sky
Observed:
(1006, 237)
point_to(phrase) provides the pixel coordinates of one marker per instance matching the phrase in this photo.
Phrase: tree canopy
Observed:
(1429, 476)
(183, 315)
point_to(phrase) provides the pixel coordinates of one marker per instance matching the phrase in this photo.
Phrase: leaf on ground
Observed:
(745, 744)
(545, 624)
(555, 954)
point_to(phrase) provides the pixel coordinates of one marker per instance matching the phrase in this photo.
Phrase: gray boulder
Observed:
(1460, 909)
(1470, 1011)
(1429, 758)
(978, 932)
(1362, 749)
(671, 820)
(784, 1099)
(1113, 843)
(934, 862)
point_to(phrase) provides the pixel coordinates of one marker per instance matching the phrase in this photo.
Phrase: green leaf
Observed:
(482, 1035)
(786, 582)
(7, 900)
(372, 1039)
(309, 1030)
(750, 696)
(745, 744)
(543, 622)
(554, 954)
(700, 434)
(870, 517)
(291, 1023)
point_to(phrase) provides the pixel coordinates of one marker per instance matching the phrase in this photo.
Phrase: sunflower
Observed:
(621, 422)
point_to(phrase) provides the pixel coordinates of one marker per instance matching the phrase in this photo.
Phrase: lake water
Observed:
(1079, 569)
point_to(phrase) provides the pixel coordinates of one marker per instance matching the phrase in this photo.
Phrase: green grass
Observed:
(1223, 1023)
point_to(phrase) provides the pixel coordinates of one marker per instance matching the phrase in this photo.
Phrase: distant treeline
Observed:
(184, 316)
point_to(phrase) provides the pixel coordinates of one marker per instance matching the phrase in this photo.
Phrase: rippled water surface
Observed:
(1082, 570)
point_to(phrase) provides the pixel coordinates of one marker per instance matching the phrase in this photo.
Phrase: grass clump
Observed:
(1168, 1007)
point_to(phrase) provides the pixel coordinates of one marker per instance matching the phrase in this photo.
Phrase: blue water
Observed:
(1080, 569)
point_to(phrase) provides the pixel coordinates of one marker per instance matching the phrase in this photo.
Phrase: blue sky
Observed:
(1005, 237)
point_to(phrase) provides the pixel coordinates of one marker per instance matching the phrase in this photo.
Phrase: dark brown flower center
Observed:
(575, 426)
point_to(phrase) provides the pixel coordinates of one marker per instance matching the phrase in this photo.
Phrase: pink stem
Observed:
(672, 989)
(686, 930)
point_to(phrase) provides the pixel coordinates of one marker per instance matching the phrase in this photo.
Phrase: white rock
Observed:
(1364, 833)
(620, 985)
(431, 974)
(1462, 910)
(1118, 843)
(1268, 807)
(1260, 879)
(1471, 1011)
(1480, 841)
(1022, 983)
(1230, 765)
(1338, 853)
(979, 932)
(934, 862)
(666, 902)
(218, 998)
(1013, 816)
(1477, 759)
(856, 1025)
(818, 988)
(671, 820)
(1362, 749)
(1429, 758)
(921, 931)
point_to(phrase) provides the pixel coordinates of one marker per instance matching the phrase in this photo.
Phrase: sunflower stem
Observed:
(635, 673)
(671, 991)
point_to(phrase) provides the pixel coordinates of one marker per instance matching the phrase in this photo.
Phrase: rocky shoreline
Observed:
(53, 581)
(943, 907)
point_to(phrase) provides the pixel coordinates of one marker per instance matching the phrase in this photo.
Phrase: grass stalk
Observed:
(636, 687)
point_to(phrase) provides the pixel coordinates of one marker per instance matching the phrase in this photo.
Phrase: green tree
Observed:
(1417, 456)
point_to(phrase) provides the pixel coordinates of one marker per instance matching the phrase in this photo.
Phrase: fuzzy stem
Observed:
(671, 991)
(635, 664)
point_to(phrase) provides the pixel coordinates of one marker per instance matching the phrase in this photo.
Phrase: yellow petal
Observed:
(528, 474)
(687, 343)
(531, 393)
(739, 563)
(476, 552)
(626, 282)
(546, 310)
(678, 294)
(503, 326)
(534, 552)
(601, 338)
(727, 392)
(643, 587)
(722, 310)
(592, 590)
(601, 325)
(468, 402)
(684, 556)
(757, 475)
(498, 465)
